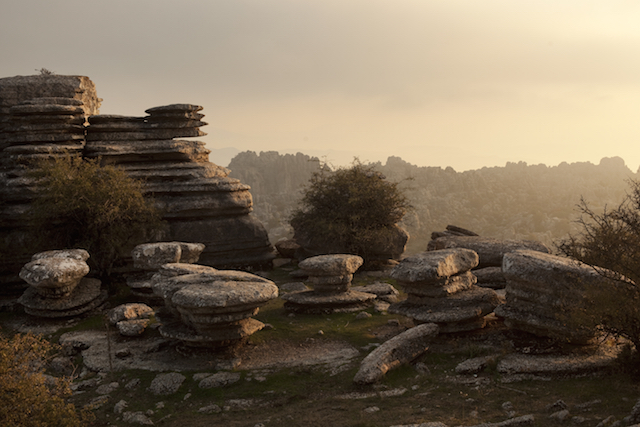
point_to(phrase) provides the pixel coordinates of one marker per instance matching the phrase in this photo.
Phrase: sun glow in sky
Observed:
(459, 83)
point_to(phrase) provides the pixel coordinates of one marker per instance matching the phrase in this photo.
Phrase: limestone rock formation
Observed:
(40, 117)
(58, 286)
(400, 349)
(543, 290)
(441, 289)
(151, 257)
(330, 276)
(215, 309)
(197, 198)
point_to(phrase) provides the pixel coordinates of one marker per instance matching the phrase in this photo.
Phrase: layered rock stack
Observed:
(152, 257)
(197, 198)
(490, 252)
(441, 289)
(58, 286)
(330, 276)
(40, 117)
(546, 293)
(214, 309)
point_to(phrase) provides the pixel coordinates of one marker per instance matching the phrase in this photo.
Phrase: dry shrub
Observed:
(27, 397)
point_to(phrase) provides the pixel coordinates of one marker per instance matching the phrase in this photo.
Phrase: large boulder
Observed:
(490, 251)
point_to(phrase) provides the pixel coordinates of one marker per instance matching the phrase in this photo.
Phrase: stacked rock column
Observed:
(441, 289)
(197, 198)
(330, 276)
(58, 286)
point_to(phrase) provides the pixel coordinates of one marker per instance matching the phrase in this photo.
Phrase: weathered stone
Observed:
(129, 311)
(166, 384)
(491, 277)
(151, 256)
(133, 327)
(400, 349)
(79, 254)
(468, 306)
(543, 290)
(219, 379)
(84, 297)
(490, 251)
(331, 265)
(54, 276)
(432, 266)
(384, 291)
(173, 108)
(441, 287)
(326, 303)
(223, 336)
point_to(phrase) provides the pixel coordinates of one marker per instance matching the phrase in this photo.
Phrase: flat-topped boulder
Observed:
(78, 254)
(55, 277)
(544, 292)
(441, 289)
(152, 256)
(216, 313)
(331, 265)
(490, 251)
(86, 296)
(432, 266)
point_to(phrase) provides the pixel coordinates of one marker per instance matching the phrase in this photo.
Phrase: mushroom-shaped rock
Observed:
(331, 265)
(215, 312)
(53, 276)
(165, 288)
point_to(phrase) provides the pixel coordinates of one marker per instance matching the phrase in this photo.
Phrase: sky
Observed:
(460, 83)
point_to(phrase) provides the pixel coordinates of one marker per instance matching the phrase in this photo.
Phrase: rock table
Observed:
(330, 276)
(544, 290)
(214, 309)
(441, 289)
(58, 286)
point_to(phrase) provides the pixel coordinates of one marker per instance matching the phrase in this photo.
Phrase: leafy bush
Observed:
(81, 204)
(28, 398)
(612, 240)
(348, 209)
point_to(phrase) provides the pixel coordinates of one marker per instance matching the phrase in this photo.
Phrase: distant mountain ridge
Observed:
(517, 201)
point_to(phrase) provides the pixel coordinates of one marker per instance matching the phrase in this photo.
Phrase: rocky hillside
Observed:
(517, 201)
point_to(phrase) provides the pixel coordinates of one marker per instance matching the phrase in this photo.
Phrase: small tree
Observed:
(97, 208)
(612, 240)
(349, 209)
(28, 398)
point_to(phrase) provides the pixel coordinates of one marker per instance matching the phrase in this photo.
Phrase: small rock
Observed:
(363, 315)
(558, 405)
(560, 415)
(132, 384)
(97, 403)
(120, 407)
(123, 353)
(607, 422)
(220, 379)
(211, 409)
(136, 418)
(166, 384)
(579, 420)
(371, 409)
(107, 388)
(132, 328)
(130, 311)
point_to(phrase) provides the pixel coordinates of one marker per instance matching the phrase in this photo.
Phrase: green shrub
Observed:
(348, 209)
(27, 397)
(612, 240)
(81, 204)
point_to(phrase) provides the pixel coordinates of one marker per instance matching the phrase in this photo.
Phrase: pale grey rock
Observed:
(560, 415)
(133, 327)
(120, 407)
(219, 379)
(544, 290)
(490, 251)
(54, 276)
(108, 388)
(441, 287)
(166, 384)
(210, 409)
(136, 418)
(129, 311)
(398, 350)
(151, 256)
(434, 265)
(331, 265)
(78, 254)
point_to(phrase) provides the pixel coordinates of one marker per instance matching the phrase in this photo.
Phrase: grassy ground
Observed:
(310, 396)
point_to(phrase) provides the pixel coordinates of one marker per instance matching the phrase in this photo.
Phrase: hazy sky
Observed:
(454, 83)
